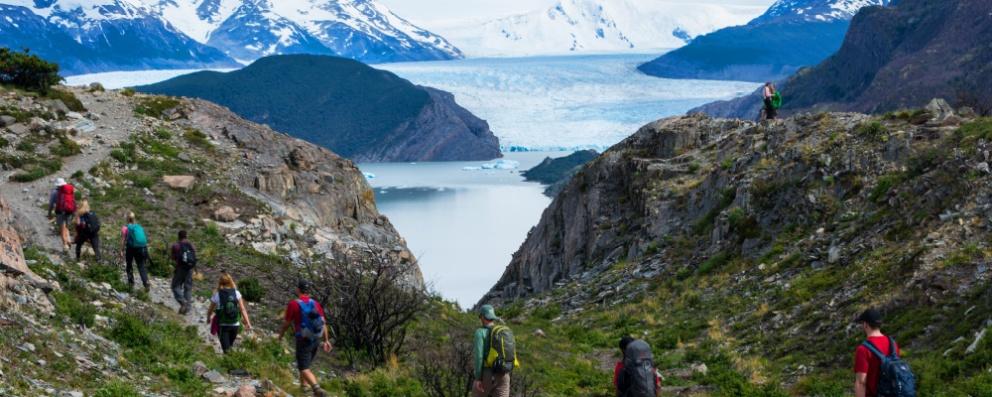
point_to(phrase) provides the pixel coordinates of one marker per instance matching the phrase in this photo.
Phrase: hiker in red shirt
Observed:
(867, 366)
(306, 316)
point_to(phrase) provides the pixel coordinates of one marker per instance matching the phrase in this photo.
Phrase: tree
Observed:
(370, 299)
(444, 366)
(27, 71)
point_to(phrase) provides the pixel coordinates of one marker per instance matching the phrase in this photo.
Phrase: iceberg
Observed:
(369, 175)
(501, 165)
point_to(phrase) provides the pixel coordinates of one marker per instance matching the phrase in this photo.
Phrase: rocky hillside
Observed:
(364, 114)
(894, 58)
(556, 172)
(791, 34)
(750, 247)
(255, 201)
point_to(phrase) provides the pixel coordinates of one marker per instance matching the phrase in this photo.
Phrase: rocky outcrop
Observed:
(359, 112)
(556, 172)
(442, 131)
(683, 191)
(893, 58)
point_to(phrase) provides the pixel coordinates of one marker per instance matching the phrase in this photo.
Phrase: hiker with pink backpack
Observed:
(62, 201)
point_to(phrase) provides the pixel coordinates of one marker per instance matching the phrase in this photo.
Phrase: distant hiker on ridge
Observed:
(134, 248)
(771, 95)
(635, 374)
(227, 309)
(306, 316)
(62, 201)
(87, 229)
(184, 258)
(495, 354)
(878, 370)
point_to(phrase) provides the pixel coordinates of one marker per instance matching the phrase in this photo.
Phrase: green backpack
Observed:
(776, 100)
(136, 237)
(228, 312)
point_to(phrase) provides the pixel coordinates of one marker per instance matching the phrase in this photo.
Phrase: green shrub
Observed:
(68, 98)
(27, 71)
(155, 106)
(251, 289)
(872, 129)
(26, 146)
(131, 331)
(713, 263)
(3, 142)
(35, 169)
(743, 224)
(163, 133)
(197, 137)
(66, 147)
(74, 310)
(128, 92)
(116, 389)
(105, 274)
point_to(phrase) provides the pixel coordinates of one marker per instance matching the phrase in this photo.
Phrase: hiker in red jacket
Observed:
(306, 316)
(867, 367)
(63, 202)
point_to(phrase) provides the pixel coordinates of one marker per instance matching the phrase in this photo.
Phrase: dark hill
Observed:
(360, 112)
(894, 58)
(557, 172)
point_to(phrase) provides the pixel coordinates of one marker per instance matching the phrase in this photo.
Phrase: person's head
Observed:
(130, 217)
(84, 207)
(182, 235)
(303, 287)
(624, 341)
(870, 320)
(226, 282)
(59, 182)
(487, 314)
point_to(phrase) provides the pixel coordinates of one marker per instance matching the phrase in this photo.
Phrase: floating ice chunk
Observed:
(369, 175)
(501, 165)
(471, 168)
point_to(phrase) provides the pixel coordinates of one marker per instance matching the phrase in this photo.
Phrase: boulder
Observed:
(940, 110)
(225, 214)
(245, 391)
(184, 182)
(214, 377)
(7, 120)
(18, 129)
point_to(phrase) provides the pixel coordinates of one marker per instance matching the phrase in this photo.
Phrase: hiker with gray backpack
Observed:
(878, 369)
(184, 257)
(635, 375)
(495, 354)
(306, 317)
(226, 311)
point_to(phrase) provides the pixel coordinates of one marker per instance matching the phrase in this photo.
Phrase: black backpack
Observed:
(187, 255)
(895, 378)
(227, 310)
(638, 377)
(92, 223)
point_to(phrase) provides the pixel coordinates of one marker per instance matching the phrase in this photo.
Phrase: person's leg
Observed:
(142, 259)
(227, 337)
(95, 242)
(188, 288)
(178, 278)
(128, 268)
(79, 246)
(501, 386)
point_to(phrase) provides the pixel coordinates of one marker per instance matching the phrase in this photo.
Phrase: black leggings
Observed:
(770, 112)
(227, 335)
(94, 241)
(140, 255)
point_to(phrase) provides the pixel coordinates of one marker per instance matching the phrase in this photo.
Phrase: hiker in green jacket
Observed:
(487, 383)
(768, 94)
(134, 247)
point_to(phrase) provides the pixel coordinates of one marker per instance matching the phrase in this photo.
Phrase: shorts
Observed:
(306, 351)
(63, 218)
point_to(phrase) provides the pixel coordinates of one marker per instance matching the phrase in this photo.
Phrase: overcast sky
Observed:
(428, 11)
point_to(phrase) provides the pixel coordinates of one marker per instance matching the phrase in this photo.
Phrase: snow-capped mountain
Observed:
(791, 34)
(359, 29)
(816, 10)
(591, 26)
(101, 35)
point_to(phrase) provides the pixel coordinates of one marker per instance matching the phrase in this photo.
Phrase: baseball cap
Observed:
(59, 182)
(487, 312)
(870, 316)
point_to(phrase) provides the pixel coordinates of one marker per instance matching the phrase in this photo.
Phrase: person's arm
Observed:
(860, 384)
(210, 311)
(478, 353)
(244, 314)
(286, 321)
(51, 201)
(123, 239)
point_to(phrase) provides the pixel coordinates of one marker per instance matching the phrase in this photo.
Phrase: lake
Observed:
(464, 226)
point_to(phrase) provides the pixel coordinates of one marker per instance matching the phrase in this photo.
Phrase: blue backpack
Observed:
(896, 379)
(312, 327)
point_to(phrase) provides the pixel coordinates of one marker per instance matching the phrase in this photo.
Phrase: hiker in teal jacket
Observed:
(486, 382)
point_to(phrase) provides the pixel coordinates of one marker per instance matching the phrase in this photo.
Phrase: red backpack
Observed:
(67, 199)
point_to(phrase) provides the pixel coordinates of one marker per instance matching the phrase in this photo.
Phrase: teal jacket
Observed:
(479, 349)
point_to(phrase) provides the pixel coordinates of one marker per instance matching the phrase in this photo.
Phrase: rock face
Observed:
(687, 194)
(556, 172)
(790, 35)
(894, 58)
(361, 113)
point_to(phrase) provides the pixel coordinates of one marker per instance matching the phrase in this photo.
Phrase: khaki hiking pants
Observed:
(495, 385)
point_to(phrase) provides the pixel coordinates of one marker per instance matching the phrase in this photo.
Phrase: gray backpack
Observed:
(638, 377)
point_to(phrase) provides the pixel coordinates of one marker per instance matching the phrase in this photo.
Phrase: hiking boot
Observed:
(183, 308)
(318, 392)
